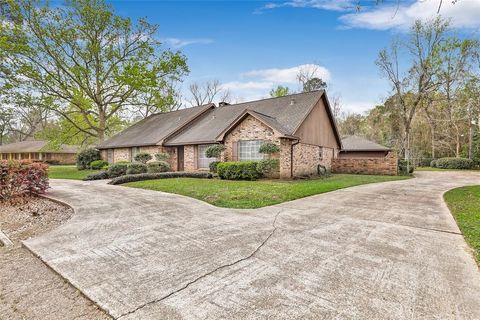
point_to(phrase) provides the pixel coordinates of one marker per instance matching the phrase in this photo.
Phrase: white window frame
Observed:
(248, 150)
(110, 155)
(202, 161)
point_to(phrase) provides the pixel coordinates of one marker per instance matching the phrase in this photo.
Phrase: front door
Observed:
(180, 161)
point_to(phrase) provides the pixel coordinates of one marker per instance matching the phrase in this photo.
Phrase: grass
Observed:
(464, 203)
(68, 172)
(255, 194)
(440, 169)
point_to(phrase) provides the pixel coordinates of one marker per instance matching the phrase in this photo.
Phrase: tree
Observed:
(92, 63)
(6, 116)
(411, 85)
(206, 93)
(308, 78)
(279, 91)
(314, 84)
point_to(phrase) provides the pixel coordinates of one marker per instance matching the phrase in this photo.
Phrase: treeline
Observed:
(433, 110)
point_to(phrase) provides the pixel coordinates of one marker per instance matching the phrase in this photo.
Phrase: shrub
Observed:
(214, 151)
(162, 175)
(52, 162)
(117, 169)
(162, 156)
(158, 166)
(136, 168)
(143, 157)
(402, 167)
(433, 163)
(19, 178)
(267, 166)
(213, 166)
(87, 156)
(454, 163)
(269, 148)
(424, 162)
(241, 170)
(98, 164)
(97, 176)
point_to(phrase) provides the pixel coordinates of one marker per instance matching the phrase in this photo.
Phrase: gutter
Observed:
(291, 157)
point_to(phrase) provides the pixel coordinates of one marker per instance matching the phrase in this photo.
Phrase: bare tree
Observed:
(308, 77)
(207, 93)
(411, 85)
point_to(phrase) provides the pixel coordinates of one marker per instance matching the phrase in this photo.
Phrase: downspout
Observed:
(291, 157)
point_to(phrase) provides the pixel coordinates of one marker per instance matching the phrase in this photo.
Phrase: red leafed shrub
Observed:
(19, 178)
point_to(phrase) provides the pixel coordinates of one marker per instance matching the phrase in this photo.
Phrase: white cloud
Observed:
(179, 43)
(464, 14)
(287, 75)
(331, 5)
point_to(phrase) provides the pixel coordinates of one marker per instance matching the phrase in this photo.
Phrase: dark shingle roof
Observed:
(282, 113)
(356, 143)
(36, 146)
(153, 129)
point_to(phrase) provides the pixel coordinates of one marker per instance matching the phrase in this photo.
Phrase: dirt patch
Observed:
(28, 288)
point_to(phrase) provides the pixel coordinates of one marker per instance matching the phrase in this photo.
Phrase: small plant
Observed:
(98, 164)
(97, 176)
(19, 178)
(136, 168)
(87, 156)
(162, 156)
(454, 163)
(143, 157)
(213, 166)
(214, 151)
(118, 169)
(268, 166)
(269, 148)
(240, 170)
(162, 175)
(158, 166)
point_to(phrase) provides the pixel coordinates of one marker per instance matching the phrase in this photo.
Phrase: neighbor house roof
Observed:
(155, 128)
(36, 146)
(356, 143)
(284, 114)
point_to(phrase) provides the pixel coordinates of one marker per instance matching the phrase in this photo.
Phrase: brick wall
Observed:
(64, 158)
(307, 157)
(384, 166)
(121, 154)
(190, 160)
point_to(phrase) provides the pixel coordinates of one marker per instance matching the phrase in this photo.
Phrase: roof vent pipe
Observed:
(292, 102)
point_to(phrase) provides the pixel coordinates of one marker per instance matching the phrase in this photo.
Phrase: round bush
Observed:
(454, 163)
(162, 156)
(158, 166)
(97, 176)
(267, 166)
(98, 164)
(214, 151)
(118, 169)
(241, 170)
(213, 166)
(136, 168)
(87, 156)
(143, 157)
(433, 163)
(402, 167)
(269, 148)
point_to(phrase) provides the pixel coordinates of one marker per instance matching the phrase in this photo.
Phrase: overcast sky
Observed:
(252, 46)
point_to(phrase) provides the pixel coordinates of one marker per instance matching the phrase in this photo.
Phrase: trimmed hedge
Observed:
(453, 163)
(136, 168)
(87, 156)
(117, 169)
(98, 164)
(162, 156)
(433, 163)
(267, 166)
(97, 176)
(239, 170)
(19, 178)
(158, 166)
(213, 166)
(143, 157)
(402, 167)
(269, 148)
(162, 175)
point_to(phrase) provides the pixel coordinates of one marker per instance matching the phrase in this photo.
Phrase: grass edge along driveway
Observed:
(464, 204)
(255, 194)
(67, 172)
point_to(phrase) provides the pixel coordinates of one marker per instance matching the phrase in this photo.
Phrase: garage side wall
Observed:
(307, 158)
(387, 165)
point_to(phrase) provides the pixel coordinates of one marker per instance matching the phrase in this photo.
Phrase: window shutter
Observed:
(234, 151)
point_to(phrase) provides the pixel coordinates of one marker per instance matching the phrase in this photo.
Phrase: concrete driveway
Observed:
(379, 251)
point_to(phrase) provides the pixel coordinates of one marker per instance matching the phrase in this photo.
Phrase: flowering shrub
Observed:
(19, 178)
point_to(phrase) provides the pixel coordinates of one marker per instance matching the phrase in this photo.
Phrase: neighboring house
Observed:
(38, 151)
(362, 156)
(301, 124)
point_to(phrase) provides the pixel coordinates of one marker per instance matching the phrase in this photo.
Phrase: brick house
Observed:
(302, 125)
(38, 150)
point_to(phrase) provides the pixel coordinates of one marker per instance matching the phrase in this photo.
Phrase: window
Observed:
(203, 161)
(133, 152)
(110, 155)
(248, 149)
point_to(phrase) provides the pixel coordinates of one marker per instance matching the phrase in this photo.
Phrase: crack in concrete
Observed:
(208, 273)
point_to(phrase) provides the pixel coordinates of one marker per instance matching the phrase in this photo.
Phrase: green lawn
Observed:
(68, 172)
(464, 203)
(255, 194)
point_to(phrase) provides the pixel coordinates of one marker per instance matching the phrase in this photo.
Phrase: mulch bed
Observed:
(28, 288)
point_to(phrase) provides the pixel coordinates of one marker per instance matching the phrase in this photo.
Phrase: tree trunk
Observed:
(432, 128)
(101, 126)
(457, 146)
